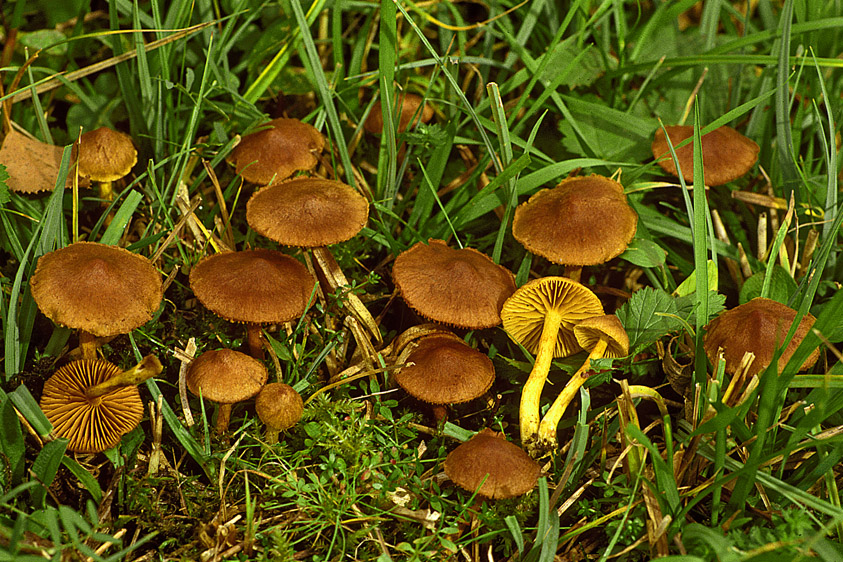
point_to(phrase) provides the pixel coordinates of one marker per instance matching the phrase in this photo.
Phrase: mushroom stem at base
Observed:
(272, 435)
(531, 394)
(149, 367)
(547, 428)
(255, 335)
(223, 418)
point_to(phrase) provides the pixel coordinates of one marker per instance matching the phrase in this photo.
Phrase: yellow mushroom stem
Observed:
(149, 367)
(88, 344)
(547, 428)
(531, 394)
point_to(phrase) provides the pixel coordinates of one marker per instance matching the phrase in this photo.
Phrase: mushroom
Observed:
(314, 213)
(541, 316)
(759, 327)
(254, 287)
(582, 221)
(98, 289)
(726, 154)
(279, 407)
(601, 336)
(411, 115)
(442, 369)
(462, 288)
(492, 466)
(93, 404)
(282, 148)
(106, 155)
(225, 377)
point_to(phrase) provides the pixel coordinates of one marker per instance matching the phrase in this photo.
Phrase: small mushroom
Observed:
(100, 290)
(462, 288)
(601, 336)
(273, 154)
(727, 154)
(225, 377)
(492, 466)
(412, 112)
(541, 316)
(93, 404)
(279, 407)
(253, 287)
(442, 369)
(759, 327)
(106, 155)
(582, 221)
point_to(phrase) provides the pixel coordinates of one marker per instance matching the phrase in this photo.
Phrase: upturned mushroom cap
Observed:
(279, 406)
(106, 155)
(225, 376)
(609, 328)
(90, 424)
(101, 289)
(307, 212)
(727, 154)
(503, 469)
(253, 286)
(758, 326)
(409, 111)
(445, 370)
(282, 148)
(462, 288)
(524, 312)
(581, 221)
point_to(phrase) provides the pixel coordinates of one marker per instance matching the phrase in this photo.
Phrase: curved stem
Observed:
(149, 367)
(532, 392)
(547, 428)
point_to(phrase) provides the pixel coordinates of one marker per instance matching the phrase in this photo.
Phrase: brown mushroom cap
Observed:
(225, 376)
(279, 406)
(581, 221)
(276, 152)
(445, 370)
(524, 312)
(409, 110)
(758, 326)
(489, 462)
(307, 212)
(106, 155)
(91, 424)
(253, 286)
(463, 288)
(609, 328)
(101, 289)
(727, 154)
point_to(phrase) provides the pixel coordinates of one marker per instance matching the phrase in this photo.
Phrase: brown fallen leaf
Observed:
(32, 165)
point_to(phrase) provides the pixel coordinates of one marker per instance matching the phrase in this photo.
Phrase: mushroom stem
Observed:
(223, 418)
(547, 428)
(573, 272)
(149, 367)
(88, 344)
(272, 435)
(255, 336)
(531, 395)
(106, 193)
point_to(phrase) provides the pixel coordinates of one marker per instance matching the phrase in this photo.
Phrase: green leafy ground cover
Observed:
(525, 95)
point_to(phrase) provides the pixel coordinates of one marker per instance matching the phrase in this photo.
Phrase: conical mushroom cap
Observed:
(90, 424)
(727, 154)
(253, 286)
(758, 326)
(445, 370)
(524, 312)
(609, 328)
(225, 376)
(276, 152)
(307, 212)
(101, 289)
(581, 221)
(409, 109)
(106, 154)
(462, 288)
(279, 406)
(503, 468)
